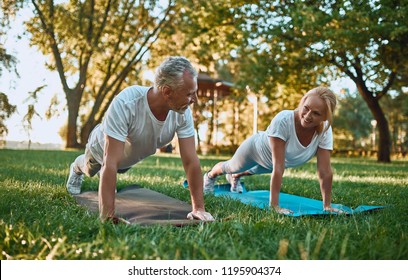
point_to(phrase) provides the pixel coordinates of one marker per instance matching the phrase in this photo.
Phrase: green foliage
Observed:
(353, 36)
(7, 62)
(8, 10)
(352, 117)
(279, 48)
(363, 40)
(40, 220)
(205, 31)
(6, 110)
(31, 112)
(397, 108)
(98, 48)
(291, 46)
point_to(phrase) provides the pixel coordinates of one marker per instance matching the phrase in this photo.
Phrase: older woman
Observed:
(292, 139)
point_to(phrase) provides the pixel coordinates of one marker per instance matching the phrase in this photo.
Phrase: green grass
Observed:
(40, 220)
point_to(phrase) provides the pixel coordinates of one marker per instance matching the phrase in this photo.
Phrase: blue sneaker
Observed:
(208, 184)
(236, 185)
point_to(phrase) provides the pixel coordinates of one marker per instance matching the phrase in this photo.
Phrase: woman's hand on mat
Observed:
(333, 210)
(282, 210)
(117, 220)
(200, 215)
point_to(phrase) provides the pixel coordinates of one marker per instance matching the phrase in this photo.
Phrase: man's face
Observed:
(185, 95)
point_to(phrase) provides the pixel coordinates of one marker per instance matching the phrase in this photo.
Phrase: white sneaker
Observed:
(74, 181)
(208, 183)
(235, 184)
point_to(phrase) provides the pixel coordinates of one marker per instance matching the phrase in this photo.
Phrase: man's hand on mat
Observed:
(282, 210)
(333, 210)
(117, 220)
(200, 215)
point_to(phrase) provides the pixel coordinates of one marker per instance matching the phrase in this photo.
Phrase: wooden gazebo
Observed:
(213, 90)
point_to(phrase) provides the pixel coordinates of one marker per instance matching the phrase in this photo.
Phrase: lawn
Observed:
(40, 220)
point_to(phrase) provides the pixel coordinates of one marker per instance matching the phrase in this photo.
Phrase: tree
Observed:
(364, 40)
(397, 107)
(8, 10)
(207, 32)
(7, 62)
(221, 38)
(6, 110)
(299, 44)
(31, 112)
(97, 47)
(204, 31)
(352, 117)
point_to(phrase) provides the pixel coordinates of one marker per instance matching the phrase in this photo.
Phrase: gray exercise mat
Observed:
(143, 206)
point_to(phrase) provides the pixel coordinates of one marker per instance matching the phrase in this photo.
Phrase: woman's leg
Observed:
(235, 179)
(241, 161)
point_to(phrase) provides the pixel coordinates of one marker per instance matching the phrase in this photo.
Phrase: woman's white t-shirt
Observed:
(283, 126)
(130, 120)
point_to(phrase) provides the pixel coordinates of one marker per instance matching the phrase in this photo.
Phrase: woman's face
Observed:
(313, 112)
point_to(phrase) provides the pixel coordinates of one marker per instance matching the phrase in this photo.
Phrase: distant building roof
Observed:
(207, 86)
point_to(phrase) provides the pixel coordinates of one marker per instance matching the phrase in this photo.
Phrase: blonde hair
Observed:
(329, 99)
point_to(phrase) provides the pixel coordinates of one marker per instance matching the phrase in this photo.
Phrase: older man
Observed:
(138, 122)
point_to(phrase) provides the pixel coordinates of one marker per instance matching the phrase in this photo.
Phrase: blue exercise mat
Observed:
(299, 205)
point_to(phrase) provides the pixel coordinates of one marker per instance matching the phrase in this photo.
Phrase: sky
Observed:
(33, 74)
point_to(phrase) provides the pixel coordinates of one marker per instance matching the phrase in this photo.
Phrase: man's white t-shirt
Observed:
(283, 126)
(130, 120)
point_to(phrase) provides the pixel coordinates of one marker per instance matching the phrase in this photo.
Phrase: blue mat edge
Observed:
(223, 190)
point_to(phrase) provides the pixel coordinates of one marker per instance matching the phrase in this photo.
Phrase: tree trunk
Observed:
(85, 131)
(73, 101)
(384, 143)
(71, 137)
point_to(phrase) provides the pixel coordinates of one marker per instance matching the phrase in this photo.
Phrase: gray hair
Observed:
(171, 72)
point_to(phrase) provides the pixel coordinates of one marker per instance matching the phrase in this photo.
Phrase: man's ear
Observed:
(166, 91)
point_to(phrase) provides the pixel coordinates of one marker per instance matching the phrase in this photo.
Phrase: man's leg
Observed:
(121, 171)
(83, 164)
(76, 176)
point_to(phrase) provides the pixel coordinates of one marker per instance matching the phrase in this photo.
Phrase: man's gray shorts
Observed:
(92, 167)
